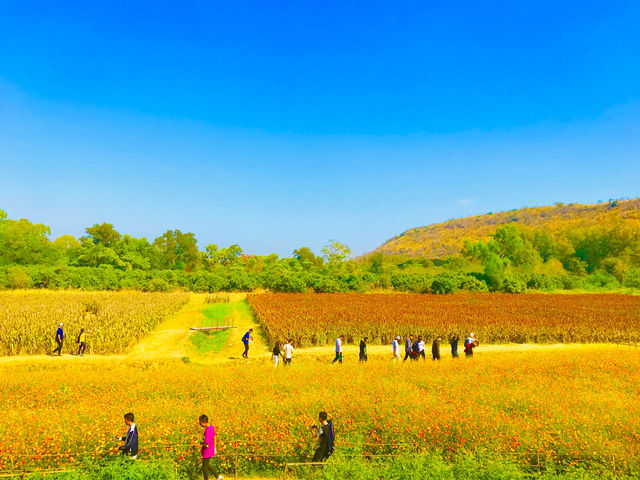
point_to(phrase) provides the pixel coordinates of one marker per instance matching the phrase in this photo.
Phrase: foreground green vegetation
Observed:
(409, 467)
(515, 258)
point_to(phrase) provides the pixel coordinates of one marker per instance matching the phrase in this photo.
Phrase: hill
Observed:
(441, 240)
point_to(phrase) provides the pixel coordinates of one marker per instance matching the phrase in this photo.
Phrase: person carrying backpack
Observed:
(326, 438)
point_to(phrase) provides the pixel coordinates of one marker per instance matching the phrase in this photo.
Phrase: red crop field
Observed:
(494, 318)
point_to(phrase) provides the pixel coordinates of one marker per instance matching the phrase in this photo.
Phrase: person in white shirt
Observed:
(287, 352)
(396, 348)
(338, 357)
(421, 347)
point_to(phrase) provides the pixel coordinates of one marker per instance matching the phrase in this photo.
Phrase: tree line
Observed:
(515, 259)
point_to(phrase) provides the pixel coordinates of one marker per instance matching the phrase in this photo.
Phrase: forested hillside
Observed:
(445, 239)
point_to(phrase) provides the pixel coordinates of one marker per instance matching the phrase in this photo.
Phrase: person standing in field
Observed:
(338, 357)
(435, 348)
(245, 339)
(415, 349)
(326, 438)
(59, 339)
(396, 348)
(130, 447)
(408, 344)
(208, 450)
(275, 355)
(453, 341)
(82, 342)
(363, 349)
(287, 351)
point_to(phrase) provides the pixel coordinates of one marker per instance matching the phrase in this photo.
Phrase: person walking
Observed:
(435, 348)
(59, 339)
(287, 351)
(82, 342)
(130, 447)
(396, 348)
(363, 349)
(275, 355)
(421, 347)
(326, 438)
(415, 349)
(208, 450)
(453, 341)
(245, 339)
(408, 343)
(338, 357)
(469, 344)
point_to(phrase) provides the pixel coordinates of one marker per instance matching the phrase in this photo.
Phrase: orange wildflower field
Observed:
(581, 402)
(494, 318)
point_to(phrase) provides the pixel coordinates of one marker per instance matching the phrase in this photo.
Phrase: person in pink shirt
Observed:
(208, 447)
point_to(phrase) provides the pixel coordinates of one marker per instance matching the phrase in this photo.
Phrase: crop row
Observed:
(496, 318)
(114, 320)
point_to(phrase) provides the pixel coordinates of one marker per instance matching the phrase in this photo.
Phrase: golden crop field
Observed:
(494, 318)
(577, 403)
(113, 320)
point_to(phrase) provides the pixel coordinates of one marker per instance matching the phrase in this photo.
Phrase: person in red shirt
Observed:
(208, 447)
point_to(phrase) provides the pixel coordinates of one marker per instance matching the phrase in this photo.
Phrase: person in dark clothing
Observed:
(325, 435)
(408, 342)
(275, 355)
(453, 341)
(59, 339)
(130, 447)
(435, 348)
(363, 349)
(245, 339)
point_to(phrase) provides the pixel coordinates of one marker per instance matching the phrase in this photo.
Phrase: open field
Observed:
(515, 402)
(313, 319)
(504, 402)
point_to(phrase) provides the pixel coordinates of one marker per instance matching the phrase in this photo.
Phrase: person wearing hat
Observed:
(59, 339)
(396, 348)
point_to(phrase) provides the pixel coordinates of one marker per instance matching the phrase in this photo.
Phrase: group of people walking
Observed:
(323, 432)
(59, 339)
(414, 348)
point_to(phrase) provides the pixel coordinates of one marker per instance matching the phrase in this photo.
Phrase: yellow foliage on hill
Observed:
(441, 240)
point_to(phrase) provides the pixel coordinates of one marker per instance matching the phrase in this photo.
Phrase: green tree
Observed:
(307, 258)
(103, 234)
(335, 252)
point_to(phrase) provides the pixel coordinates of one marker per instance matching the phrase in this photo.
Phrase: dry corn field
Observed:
(494, 318)
(114, 321)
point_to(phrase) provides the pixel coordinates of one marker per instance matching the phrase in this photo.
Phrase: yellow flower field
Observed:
(114, 320)
(579, 403)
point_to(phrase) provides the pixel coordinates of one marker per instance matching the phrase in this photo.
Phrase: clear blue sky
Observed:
(277, 125)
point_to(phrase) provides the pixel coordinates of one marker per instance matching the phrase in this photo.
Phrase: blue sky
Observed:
(277, 125)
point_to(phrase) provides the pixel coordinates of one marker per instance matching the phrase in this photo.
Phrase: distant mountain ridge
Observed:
(441, 240)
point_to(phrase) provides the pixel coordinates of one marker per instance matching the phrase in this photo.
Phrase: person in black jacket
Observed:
(130, 447)
(363, 349)
(326, 437)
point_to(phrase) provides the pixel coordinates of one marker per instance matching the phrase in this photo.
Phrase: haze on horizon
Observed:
(276, 128)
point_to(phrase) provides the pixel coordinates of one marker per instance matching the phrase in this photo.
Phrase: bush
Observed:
(18, 277)
(157, 285)
(513, 284)
(445, 283)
